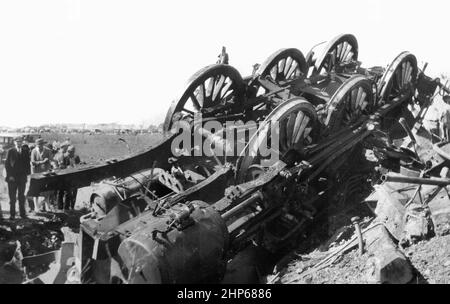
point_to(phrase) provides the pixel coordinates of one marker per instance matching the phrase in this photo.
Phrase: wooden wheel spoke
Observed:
(290, 129)
(358, 99)
(408, 73)
(363, 98)
(281, 65)
(301, 132)
(201, 95)
(218, 86)
(403, 73)
(209, 87)
(228, 94)
(306, 136)
(332, 58)
(195, 102)
(298, 122)
(226, 87)
(339, 50)
(292, 69)
(294, 121)
(287, 66)
(399, 76)
(345, 49)
(274, 72)
(353, 97)
(349, 56)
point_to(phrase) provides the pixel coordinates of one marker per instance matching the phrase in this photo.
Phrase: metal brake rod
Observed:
(341, 151)
(328, 152)
(255, 197)
(375, 116)
(327, 149)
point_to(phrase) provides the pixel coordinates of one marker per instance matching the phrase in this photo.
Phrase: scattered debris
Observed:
(441, 222)
(231, 218)
(417, 225)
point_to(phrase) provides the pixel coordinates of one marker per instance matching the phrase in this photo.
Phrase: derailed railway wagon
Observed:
(179, 212)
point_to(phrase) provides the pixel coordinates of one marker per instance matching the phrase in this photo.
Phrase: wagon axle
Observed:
(198, 209)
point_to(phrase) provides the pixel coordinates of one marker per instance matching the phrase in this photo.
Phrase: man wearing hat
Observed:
(41, 158)
(17, 167)
(70, 196)
(61, 161)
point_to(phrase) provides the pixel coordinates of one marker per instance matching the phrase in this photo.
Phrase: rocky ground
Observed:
(428, 259)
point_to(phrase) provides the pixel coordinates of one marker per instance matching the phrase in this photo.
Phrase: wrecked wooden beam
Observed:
(390, 211)
(387, 263)
(85, 174)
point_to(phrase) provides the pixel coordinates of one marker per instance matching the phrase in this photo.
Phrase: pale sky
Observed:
(92, 61)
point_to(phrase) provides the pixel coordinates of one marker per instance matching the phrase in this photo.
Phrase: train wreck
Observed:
(253, 162)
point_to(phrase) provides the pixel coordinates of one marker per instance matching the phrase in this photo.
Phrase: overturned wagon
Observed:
(182, 210)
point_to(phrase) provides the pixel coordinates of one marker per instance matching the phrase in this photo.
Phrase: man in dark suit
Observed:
(17, 167)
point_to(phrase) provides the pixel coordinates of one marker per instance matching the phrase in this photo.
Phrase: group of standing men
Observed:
(20, 162)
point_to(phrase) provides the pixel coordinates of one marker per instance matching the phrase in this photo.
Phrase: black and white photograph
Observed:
(215, 143)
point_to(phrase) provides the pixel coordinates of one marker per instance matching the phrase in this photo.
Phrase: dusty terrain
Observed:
(430, 259)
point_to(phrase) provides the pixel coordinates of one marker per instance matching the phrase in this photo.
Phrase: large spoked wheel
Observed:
(290, 127)
(340, 51)
(284, 65)
(213, 91)
(399, 78)
(354, 98)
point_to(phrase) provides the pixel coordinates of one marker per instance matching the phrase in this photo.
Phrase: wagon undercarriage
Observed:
(245, 160)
